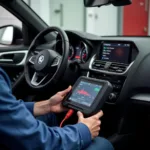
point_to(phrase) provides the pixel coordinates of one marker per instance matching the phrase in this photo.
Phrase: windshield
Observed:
(109, 20)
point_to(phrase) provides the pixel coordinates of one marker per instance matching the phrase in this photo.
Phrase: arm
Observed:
(30, 106)
(41, 108)
(52, 105)
(20, 129)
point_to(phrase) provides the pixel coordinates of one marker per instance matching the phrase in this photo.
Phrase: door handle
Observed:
(61, 12)
(61, 15)
(14, 57)
(6, 60)
(57, 11)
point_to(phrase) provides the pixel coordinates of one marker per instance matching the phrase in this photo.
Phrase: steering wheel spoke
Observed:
(32, 60)
(37, 79)
(56, 62)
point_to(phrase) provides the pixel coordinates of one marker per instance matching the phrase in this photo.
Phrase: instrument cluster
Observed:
(79, 51)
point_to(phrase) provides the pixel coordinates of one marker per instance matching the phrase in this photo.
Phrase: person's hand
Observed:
(55, 102)
(93, 123)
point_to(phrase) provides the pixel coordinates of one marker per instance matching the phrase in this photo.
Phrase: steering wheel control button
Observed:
(55, 62)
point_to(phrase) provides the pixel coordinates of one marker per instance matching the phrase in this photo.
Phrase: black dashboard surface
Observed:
(137, 78)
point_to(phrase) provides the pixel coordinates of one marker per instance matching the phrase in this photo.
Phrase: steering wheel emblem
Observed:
(41, 59)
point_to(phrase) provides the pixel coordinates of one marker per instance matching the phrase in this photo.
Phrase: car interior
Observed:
(124, 61)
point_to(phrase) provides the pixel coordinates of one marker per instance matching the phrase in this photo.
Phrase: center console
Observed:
(111, 63)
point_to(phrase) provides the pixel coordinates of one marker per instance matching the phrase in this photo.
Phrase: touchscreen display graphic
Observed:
(85, 93)
(116, 52)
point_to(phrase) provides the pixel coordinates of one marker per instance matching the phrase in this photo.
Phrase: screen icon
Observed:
(97, 89)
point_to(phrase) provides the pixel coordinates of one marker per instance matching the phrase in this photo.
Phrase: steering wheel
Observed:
(47, 66)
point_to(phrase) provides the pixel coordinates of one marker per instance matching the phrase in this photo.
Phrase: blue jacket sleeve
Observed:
(29, 106)
(20, 130)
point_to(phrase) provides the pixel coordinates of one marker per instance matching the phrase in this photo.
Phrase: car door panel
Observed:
(15, 58)
(12, 60)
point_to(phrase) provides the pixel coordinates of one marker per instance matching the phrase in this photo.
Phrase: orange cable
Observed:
(68, 115)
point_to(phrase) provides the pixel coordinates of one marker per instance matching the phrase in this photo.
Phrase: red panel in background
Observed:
(135, 18)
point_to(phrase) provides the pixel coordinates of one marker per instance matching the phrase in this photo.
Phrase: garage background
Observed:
(107, 20)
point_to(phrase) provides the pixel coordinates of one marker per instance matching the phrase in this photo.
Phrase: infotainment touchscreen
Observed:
(115, 52)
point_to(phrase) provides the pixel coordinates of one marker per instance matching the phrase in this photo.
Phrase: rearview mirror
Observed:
(98, 3)
(9, 35)
(94, 3)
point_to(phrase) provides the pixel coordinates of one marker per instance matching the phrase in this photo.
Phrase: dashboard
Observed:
(105, 58)
(123, 61)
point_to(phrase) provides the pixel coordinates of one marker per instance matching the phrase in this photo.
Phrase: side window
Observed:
(10, 29)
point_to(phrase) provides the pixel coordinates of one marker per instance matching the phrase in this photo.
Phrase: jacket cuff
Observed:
(85, 135)
(29, 106)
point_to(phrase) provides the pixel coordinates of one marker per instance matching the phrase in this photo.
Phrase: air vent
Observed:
(119, 68)
(99, 65)
(110, 67)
